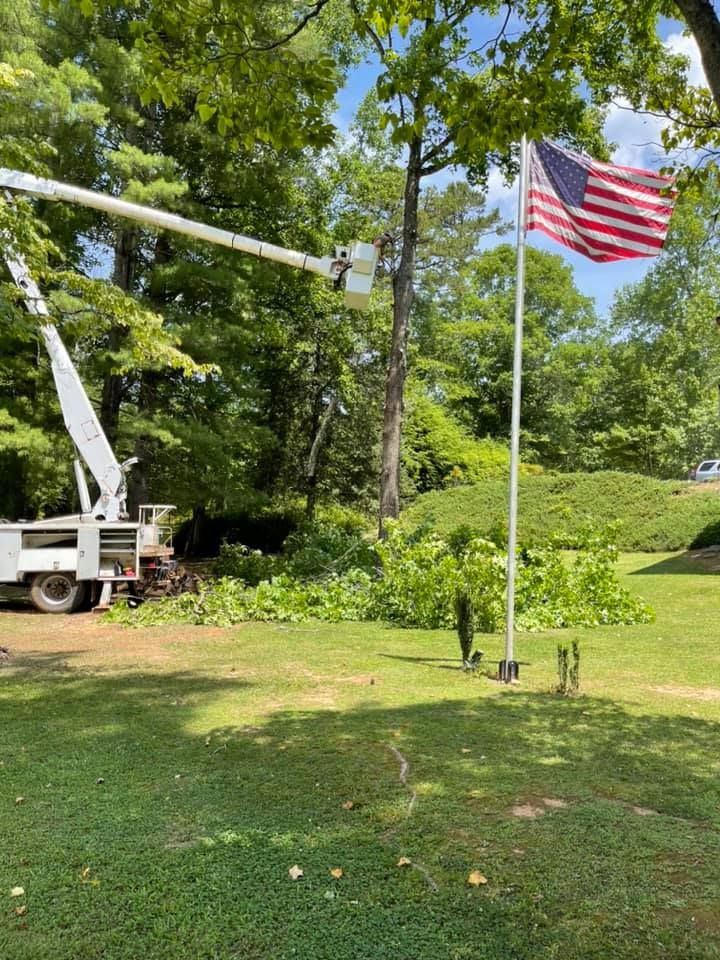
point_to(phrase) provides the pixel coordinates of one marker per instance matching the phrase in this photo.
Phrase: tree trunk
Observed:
(701, 18)
(196, 534)
(270, 462)
(312, 461)
(403, 296)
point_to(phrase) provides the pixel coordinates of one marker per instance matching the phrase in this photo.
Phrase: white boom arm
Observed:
(80, 418)
(355, 265)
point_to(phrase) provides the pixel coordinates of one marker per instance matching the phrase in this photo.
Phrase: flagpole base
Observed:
(509, 671)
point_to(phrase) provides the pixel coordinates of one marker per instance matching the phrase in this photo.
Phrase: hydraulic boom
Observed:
(353, 266)
(81, 421)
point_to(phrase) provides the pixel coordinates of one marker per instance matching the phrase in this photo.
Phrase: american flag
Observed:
(602, 211)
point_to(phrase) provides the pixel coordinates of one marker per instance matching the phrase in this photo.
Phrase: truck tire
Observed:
(56, 592)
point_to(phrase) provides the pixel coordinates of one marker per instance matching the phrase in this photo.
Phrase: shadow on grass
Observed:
(16, 603)
(686, 563)
(437, 663)
(448, 663)
(144, 832)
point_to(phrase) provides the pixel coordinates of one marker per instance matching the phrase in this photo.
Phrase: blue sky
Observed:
(638, 145)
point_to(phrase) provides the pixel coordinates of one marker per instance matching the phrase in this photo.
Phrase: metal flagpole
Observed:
(508, 670)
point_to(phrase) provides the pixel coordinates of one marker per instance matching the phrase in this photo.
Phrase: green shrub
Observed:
(228, 601)
(420, 580)
(329, 546)
(552, 593)
(319, 549)
(653, 514)
(251, 566)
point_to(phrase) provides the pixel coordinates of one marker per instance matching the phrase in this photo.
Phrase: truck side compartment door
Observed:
(88, 563)
(10, 542)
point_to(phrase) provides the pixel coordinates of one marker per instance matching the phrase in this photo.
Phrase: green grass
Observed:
(227, 756)
(654, 514)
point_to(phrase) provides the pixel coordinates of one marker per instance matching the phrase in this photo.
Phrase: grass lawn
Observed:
(171, 777)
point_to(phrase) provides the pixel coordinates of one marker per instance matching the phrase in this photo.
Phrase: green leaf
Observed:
(206, 111)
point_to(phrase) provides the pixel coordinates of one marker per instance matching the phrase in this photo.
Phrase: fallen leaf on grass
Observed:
(21, 911)
(348, 805)
(86, 878)
(17, 892)
(476, 879)
(337, 872)
(404, 862)
(295, 872)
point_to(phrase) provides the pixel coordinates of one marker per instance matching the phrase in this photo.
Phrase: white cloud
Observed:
(502, 196)
(638, 135)
(681, 43)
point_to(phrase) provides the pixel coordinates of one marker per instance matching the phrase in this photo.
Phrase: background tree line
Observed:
(239, 383)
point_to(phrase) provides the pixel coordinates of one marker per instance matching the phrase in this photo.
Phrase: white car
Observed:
(708, 470)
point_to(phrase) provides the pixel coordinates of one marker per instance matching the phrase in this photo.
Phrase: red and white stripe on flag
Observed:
(603, 211)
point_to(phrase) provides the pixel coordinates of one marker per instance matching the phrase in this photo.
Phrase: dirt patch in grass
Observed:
(532, 809)
(703, 917)
(527, 811)
(707, 918)
(361, 680)
(84, 640)
(707, 486)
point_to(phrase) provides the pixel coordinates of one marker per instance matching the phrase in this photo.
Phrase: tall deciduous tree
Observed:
(470, 338)
(259, 72)
(661, 396)
(450, 103)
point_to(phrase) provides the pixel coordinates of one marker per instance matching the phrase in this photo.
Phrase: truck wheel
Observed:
(56, 592)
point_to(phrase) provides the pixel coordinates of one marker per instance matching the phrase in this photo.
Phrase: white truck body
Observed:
(89, 549)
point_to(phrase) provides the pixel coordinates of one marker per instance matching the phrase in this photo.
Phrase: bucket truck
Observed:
(64, 559)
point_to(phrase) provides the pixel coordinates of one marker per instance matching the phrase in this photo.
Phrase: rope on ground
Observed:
(403, 776)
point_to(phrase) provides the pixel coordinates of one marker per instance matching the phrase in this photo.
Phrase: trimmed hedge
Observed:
(654, 515)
